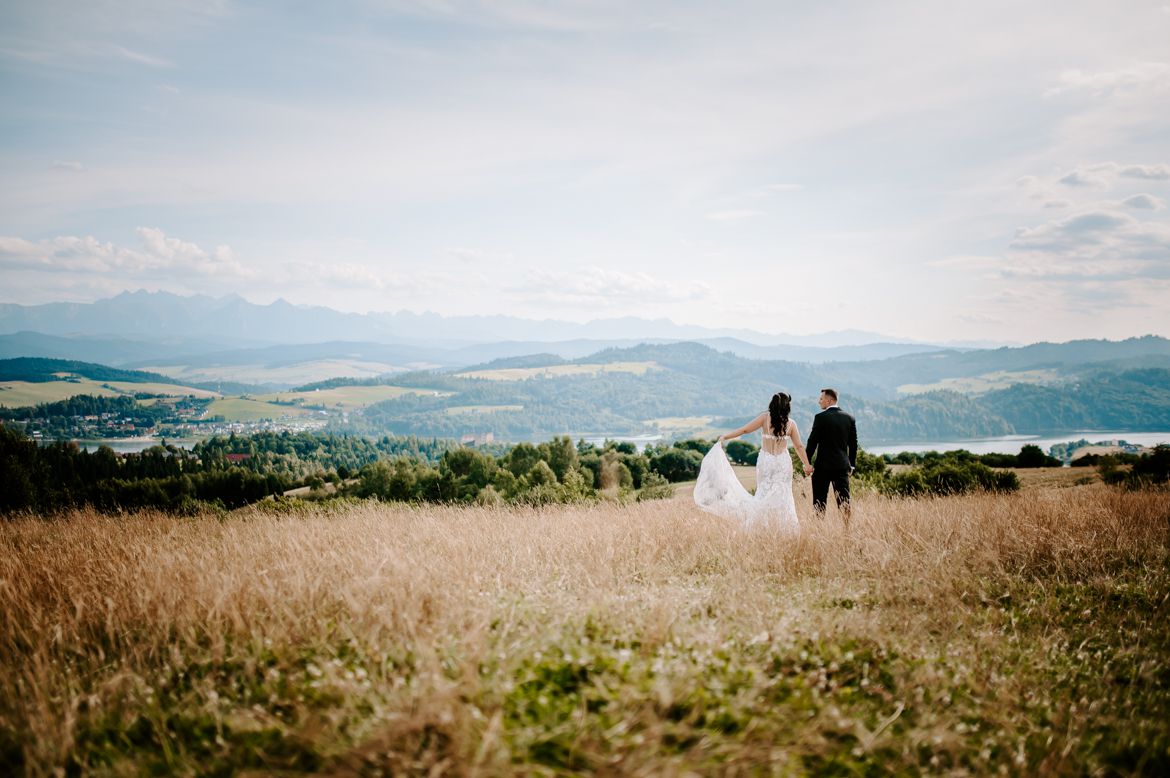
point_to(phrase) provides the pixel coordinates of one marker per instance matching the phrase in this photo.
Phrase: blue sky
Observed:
(983, 171)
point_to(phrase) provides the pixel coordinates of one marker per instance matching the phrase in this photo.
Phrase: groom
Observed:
(833, 440)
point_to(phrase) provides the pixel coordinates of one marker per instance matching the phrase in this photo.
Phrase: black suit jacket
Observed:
(834, 435)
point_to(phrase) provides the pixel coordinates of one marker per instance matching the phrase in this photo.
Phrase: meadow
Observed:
(346, 398)
(246, 409)
(18, 394)
(1017, 634)
(583, 369)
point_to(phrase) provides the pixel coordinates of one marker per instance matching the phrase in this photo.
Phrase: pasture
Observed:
(457, 410)
(291, 374)
(524, 373)
(1022, 634)
(19, 394)
(346, 398)
(999, 379)
(246, 409)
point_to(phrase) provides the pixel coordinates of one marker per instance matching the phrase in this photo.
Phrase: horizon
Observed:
(712, 333)
(997, 176)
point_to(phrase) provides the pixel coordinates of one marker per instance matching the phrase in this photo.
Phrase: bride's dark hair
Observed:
(778, 411)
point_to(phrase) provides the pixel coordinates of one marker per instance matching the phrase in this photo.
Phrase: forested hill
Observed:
(687, 389)
(36, 370)
(1064, 359)
(633, 390)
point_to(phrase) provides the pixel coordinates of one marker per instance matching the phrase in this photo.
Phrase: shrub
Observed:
(655, 487)
(676, 464)
(1034, 456)
(742, 453)
(948, 476)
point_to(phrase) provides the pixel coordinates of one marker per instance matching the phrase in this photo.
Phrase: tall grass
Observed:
(1022, 633)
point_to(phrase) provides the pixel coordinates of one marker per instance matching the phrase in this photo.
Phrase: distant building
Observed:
(237, 457)
(477, 440)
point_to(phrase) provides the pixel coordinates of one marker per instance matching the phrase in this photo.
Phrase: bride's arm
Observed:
(751, 426)
(794, 433)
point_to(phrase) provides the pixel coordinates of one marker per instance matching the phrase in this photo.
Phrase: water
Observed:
(132, 445)
(1007, 444)
(640, 441)
(1011, 444)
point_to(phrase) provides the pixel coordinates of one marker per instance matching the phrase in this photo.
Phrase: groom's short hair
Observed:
(831, 392)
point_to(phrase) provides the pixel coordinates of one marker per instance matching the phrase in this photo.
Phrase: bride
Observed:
(718, 491)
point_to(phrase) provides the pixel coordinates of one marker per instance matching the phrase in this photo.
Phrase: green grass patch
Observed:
(346, 398)
(242, 409)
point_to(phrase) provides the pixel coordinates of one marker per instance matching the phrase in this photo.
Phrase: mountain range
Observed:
(232, 320)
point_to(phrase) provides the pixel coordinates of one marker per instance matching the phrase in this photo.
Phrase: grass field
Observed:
(1000, 379)
(295, 374)
(242, 409)
(523, 373)
(17, 394)
(1021, 634)
(346, 397)
(457, 410)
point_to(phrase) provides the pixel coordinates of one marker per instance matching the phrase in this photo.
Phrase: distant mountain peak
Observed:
(133, 313)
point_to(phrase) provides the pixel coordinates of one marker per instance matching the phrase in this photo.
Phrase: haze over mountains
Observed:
(434, 376)
(234, 320)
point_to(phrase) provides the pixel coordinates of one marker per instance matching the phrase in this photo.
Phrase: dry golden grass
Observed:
(1020, 633)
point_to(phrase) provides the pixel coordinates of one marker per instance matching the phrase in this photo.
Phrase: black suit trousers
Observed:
(820, 487)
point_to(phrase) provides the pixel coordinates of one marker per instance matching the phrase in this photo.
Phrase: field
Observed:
(1021, 634)
(18, 394)
(1000, 379)
(457, 410)
(694, 426)
(243, 409)
(524, 373)
(346, 398)
(294, 374)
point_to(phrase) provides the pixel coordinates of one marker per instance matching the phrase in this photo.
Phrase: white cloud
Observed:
(158, 255)
(1099, 244)
(344, 275)
(1057, 203)
(973, 261)
(1104, 174)
(733, 215)
(140, 58)
(1084, 178)
(601, 287)
(1101, 81)
(1144, 202)
(1149, 172)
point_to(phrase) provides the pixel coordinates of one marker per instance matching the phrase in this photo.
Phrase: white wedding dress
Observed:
(718, 491)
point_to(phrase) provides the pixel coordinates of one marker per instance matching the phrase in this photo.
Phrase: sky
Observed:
(935, 171)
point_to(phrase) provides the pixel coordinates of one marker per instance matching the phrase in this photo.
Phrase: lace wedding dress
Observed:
(718, 491)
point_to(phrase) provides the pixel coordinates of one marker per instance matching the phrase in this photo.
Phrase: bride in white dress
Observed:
(718, 491)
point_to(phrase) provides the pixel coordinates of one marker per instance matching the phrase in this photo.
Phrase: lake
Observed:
(1006, 444)
(132, 445)
(1011, 444)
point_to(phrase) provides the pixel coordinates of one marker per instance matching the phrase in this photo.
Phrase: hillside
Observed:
(686, 389)
(719, 390)
(34, 370)
(1063, 360)
(233, 318)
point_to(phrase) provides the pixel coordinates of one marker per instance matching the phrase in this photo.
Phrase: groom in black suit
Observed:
(833, 439)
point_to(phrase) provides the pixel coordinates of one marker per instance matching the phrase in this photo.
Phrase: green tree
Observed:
(742, 453)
